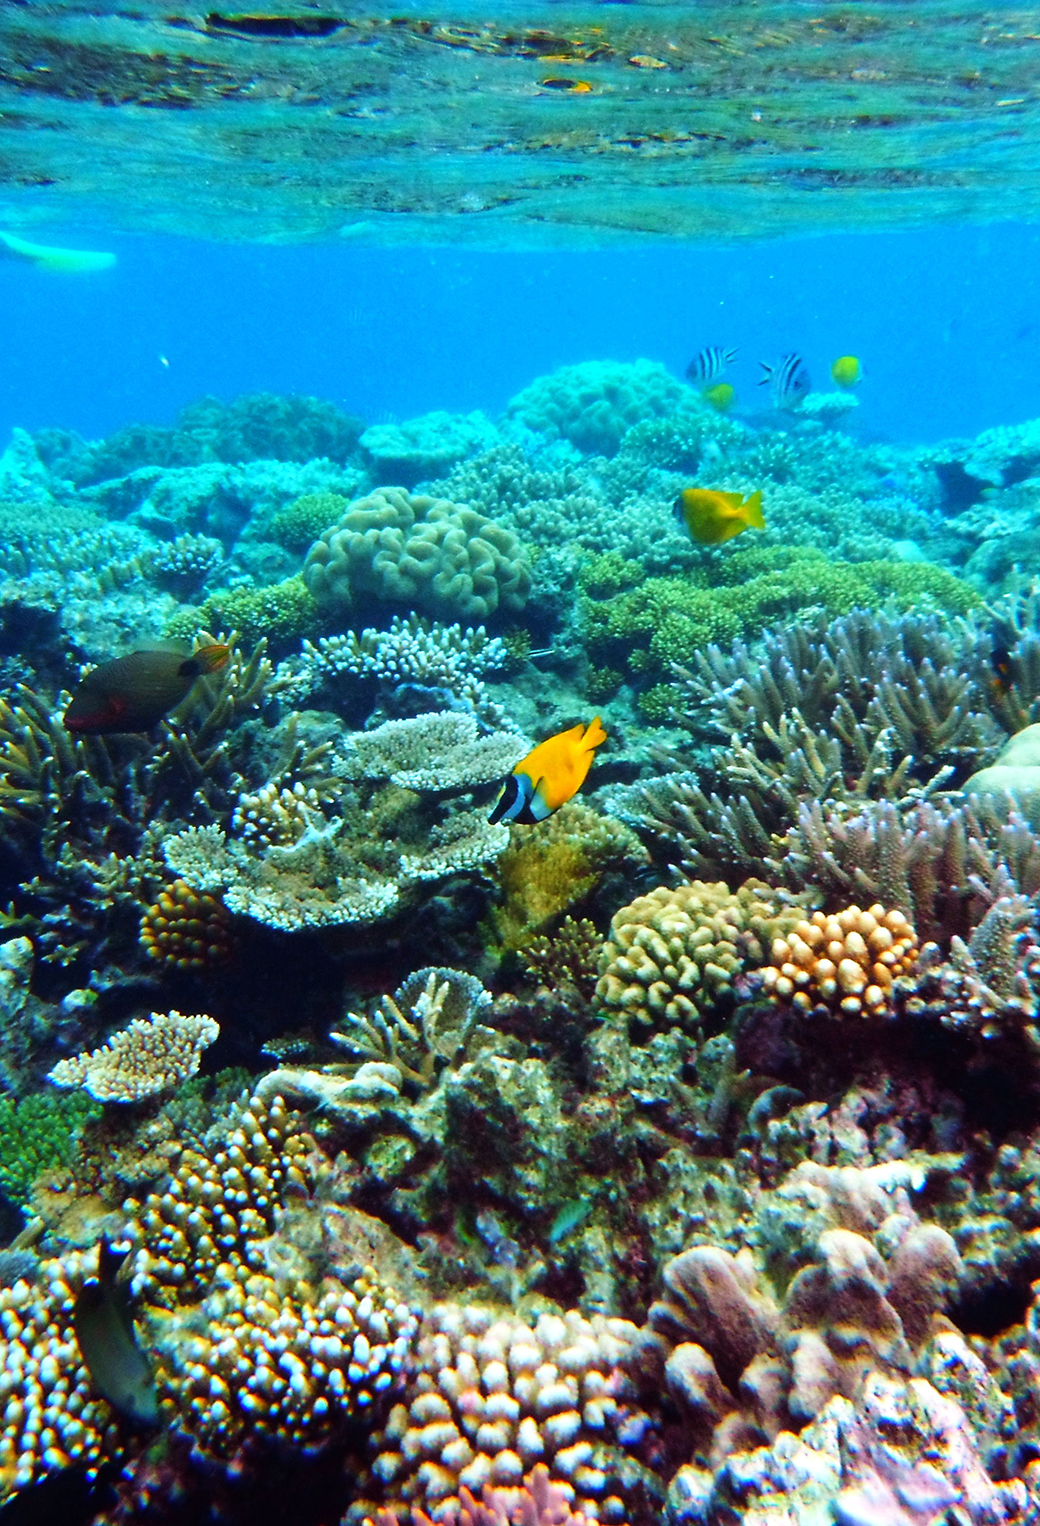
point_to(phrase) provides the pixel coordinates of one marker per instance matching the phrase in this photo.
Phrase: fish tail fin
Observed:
(753, 511)
(211, 658)
(594, 733)
(768, 369)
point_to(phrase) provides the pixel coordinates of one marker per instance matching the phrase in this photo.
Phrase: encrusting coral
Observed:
(151, 1055)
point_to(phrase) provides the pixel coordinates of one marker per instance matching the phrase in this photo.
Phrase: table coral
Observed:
(842, 963)
(672, 955)
(149, 1056)
(442, 750)
(437, 557)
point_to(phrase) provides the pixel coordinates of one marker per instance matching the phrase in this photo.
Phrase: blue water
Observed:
(944, 319)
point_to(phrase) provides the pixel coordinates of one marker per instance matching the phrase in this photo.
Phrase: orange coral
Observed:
(537, 1503)
(844, 963)
(187, 928)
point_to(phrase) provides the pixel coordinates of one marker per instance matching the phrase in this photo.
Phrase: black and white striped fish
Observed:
(788, 381)
(708, 365)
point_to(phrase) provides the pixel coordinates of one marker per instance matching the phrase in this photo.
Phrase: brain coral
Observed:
(594, 404)
(425, 554)
(673, 953)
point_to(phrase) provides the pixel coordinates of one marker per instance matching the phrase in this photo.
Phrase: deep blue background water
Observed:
(946, 321)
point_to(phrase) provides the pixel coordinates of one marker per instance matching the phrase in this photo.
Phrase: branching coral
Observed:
(443, 750)
(446, 660)
(151, 1055)
(421, 1028)
(185, 928)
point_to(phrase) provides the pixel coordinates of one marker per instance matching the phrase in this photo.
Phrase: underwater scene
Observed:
(519, 766)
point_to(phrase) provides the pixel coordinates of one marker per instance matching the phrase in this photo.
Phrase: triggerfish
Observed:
(712, 516)
(134, 692)
(550, 775)
(846, 372)
(50, 257)
(104, 1325)
(788, 381)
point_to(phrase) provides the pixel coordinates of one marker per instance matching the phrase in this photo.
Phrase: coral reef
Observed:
(438, 558)
(846, 963)
(152, 1055)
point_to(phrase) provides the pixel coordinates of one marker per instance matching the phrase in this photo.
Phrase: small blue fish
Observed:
(788, 381)
(709, 365)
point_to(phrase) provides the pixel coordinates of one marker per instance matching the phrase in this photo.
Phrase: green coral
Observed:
(283, 612)
(667, 620)
(297, 525)
(37, 1134)
(606, 573)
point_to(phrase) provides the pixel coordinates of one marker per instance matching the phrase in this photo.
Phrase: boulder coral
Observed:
(845, 963)
(426, 554)
(673, 954)
(594, 404)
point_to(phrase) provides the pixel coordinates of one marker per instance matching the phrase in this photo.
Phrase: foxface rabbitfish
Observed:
(549, 775)
(134, 692)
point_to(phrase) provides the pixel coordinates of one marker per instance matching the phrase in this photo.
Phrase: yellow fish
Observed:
(50, 257)
(847, 372)
(550, 775)
(721, 396)
(712, 517)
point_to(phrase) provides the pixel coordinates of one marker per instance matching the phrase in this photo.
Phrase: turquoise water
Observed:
(519, 843)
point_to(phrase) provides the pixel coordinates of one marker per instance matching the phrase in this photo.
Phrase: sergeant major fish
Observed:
(709, 365)
(550, 775)
(788, 381)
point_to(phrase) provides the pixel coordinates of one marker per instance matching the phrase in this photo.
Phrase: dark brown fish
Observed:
(133, 693)
(103, 1321)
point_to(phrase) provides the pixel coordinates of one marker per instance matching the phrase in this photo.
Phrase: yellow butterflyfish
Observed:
(549, 775)
(846, 372)
(721, 396)
(713, 517)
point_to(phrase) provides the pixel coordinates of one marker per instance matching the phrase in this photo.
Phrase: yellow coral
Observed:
(844, 963)
(673, 953)
(187, 928)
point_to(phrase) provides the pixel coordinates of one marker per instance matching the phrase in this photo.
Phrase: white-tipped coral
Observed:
(151, 1055)
(491, 1396)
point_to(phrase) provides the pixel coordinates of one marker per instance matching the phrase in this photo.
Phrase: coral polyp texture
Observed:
(491, 1395)
(151, 1055)
(673, 1158)
(186, 928)
(843, 963)
(428, 554)
(673, 955)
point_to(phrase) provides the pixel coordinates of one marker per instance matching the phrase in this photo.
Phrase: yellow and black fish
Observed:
(549, 775)
(104, 1326)
(1001, 670)
(133, 693)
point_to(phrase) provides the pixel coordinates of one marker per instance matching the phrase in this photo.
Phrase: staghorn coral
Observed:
(186, 928)
(437, 557)
(570, 957)
(151, 1055)
(37, 1134)
(492, 1395)
(673, 955)
(844, 963)
(442, 1008)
